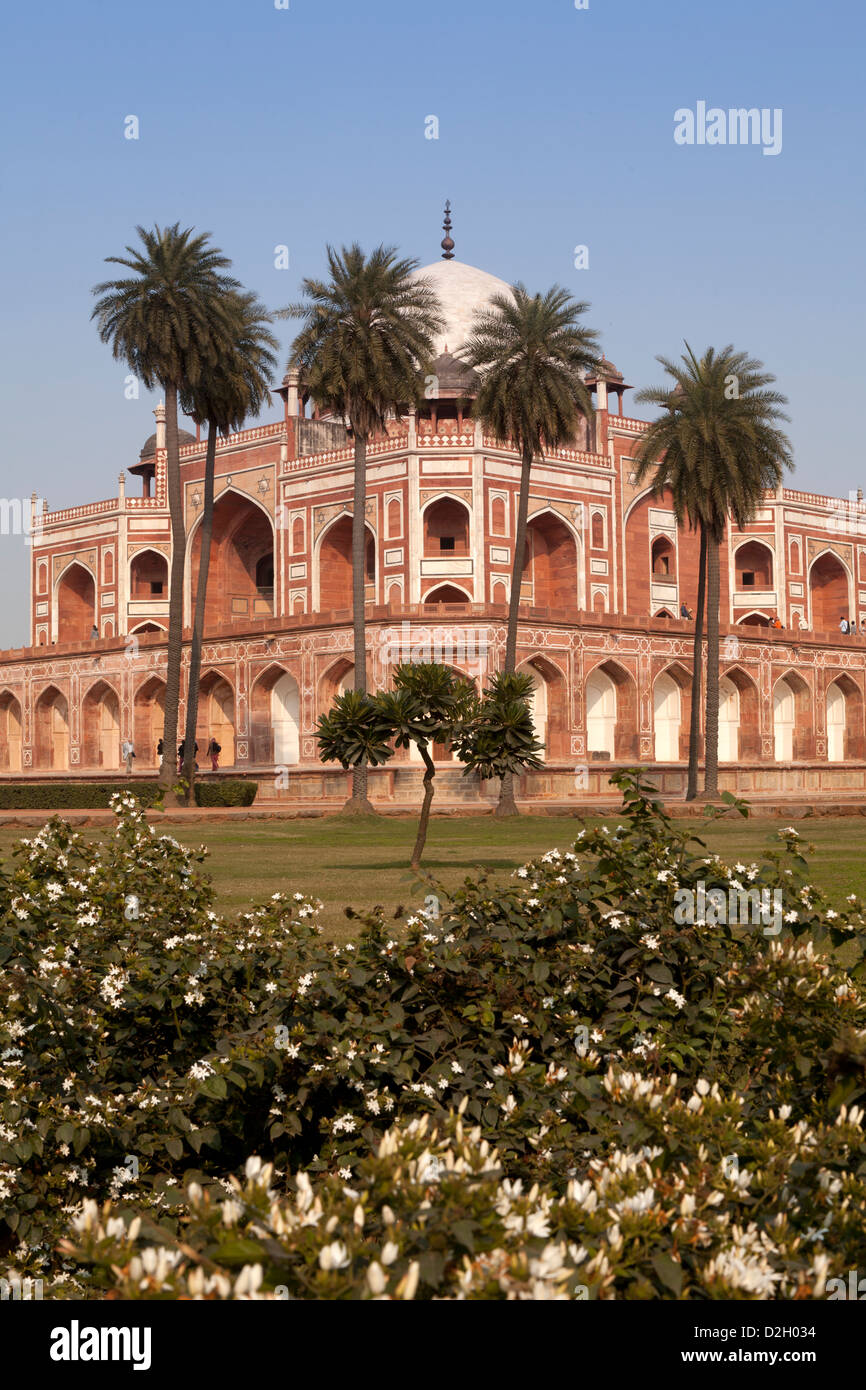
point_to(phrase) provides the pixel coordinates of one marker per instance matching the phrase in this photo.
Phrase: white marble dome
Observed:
(462, 289)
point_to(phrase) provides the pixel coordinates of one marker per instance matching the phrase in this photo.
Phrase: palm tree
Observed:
(721, 450)
(532, 352)
(362, 353)
(672, 473)
(165, 321)
(237, 387)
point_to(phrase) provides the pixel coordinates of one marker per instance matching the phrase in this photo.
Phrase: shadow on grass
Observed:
(428, 865)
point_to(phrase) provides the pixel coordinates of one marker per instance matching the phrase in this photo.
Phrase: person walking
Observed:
(127, 753)
(213, 751)
(94, 633)
(159, 748)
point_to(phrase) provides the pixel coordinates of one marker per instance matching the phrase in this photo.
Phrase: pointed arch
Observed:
(672, 688)
(334, 680)
(216, 716)
(447, 593)
(332, 565)
(74, 603)
(243, 538)
(549, 705)
(754, 564)
(10, 732)
(275, 716)
(100, 726)
(830, 588)
(553, 563)
(625, 727)
(148, 721)
(148, 576)
(844, 719)
(748, 715)
(793, 737)
(51, 730)
(446, 527)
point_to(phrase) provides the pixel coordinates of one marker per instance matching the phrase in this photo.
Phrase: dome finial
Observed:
(447, 244)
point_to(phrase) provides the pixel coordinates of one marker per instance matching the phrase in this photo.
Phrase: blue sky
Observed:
(306, 125)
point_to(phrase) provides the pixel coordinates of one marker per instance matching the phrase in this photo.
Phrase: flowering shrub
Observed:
(552, 1089)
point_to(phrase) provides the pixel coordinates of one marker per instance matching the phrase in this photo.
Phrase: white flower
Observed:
(334, 1256)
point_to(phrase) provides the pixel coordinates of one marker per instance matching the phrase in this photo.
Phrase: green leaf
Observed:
(669, 1272)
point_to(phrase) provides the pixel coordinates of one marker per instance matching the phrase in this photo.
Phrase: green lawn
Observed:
(347, 862)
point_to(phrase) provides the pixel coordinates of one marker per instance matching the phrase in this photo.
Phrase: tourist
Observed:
(159, 748)
(843, 625)
(213, 752)
(94, 633)
(128, 753)
(180, 755)
(685, 611)
(776, 623)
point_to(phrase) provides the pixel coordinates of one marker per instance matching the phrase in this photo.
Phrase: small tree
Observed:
(429, 704)
(500, 739)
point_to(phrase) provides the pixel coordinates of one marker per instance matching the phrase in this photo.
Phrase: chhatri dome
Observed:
(462, 290)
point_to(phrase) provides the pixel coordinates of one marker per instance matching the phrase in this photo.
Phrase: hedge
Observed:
(232, 792)
(78, 796)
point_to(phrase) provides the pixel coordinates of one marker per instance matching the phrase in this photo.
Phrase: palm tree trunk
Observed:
(507, 805)
(711, 754)
(198, 617)
(359, 803)
(175, 604)
(430, 773)
(697, 670)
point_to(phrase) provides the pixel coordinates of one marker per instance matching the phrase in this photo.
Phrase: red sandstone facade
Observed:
(606, 573)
